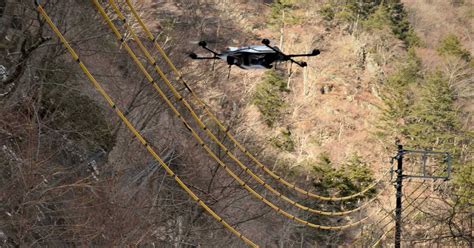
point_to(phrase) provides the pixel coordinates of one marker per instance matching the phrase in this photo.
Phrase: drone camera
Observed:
(202, 43)
(266, 42)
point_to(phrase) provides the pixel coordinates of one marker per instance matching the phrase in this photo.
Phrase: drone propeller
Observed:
(193, 55)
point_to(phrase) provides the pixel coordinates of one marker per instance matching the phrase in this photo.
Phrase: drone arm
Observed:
(213, 52)
(266, 42)
(203, 44)
(206, 58)
(194, 56)
(315, 52)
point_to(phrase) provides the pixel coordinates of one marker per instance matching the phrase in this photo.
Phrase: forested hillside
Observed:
(112, 135)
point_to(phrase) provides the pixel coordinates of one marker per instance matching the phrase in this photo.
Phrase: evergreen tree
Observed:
(400, 25)
(434, 124)
(279, 12)
(433, 121)
(451, 46)
(398, 96)
(268, 97)
(379, 20)
(373, 15)
(351, 177)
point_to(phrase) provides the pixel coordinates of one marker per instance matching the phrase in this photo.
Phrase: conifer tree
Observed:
(398, 96)
(451, 46)
(433, 121)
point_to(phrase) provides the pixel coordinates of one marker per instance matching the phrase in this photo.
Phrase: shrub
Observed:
(74, 115)
(378, 20)
(277, 19)
(374, 15)
(451, 46)
(327, 12)
(284, 141)
(268, 98)
(351, 177)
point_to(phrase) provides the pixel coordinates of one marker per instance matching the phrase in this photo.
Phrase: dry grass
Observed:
(434, 19)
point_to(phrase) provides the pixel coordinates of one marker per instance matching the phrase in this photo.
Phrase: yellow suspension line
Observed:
(201, 142)
(230, 136)
(152, 61)
(134, 130)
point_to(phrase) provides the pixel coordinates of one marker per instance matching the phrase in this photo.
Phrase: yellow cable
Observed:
(135, 132)
(226, 130)
(152, 61)
(201, 142)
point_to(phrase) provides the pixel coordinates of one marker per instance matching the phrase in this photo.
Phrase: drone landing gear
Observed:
(231, 60)
(266, 65)
(228, 74)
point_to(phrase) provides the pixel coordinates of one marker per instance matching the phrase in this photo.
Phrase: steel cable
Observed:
(201, 142)
(391, 211)
(221, 126)
(409, 204)
(109, 100)
(408, 214)
(152, 61)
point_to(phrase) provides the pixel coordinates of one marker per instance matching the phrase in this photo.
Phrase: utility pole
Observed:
(401, 176)
(398, 207)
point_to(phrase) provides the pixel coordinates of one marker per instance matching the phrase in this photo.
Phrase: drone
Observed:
(254, 57)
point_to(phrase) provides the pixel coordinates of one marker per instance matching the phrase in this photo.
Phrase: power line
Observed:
(134, 131)
(409, 213)
(389, 213)
(400, 176)
(206, 147)
(226, 130)
(152, 61)
(399, 183)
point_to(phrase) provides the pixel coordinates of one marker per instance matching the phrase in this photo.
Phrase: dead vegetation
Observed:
(72, 175)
